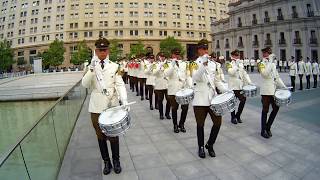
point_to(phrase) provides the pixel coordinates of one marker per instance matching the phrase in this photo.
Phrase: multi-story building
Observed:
(289, 27)
(31, 25)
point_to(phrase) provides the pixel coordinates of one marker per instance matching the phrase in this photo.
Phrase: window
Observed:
(148, 32)
(254, 19)
(294, 12)
(239, 22)
(280, 15)
(163, 33)
(266, 17)
(309, 11)
(134, 32)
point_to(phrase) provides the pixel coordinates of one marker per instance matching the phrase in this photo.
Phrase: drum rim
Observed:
(127, 114)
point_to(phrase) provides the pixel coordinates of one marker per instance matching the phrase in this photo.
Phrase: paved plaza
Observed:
(151, 151)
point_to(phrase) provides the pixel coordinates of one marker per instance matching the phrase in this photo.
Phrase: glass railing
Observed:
(38, 154)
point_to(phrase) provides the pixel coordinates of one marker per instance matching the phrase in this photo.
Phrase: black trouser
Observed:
(142, 83)
(300, 77)
(102, 140)
(293, 83)
(252, 68)
(161, 94)
(242, 99)
(308, 81)
(266, 101)
(200, 113)
(131, 82)
(248, 67)
(135, 82)
(174, 111)
(280, 68)
(315, 81)
(150, 93)
(125, 77)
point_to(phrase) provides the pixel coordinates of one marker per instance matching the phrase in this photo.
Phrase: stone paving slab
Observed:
(150, 150)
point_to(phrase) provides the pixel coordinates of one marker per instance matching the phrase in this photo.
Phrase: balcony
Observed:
(297, 41)
(282, 42)
(254, 22)
(255, 44)
(310, 13)
(268, 43)
(295, 15)
(239, 24)
(240, 44)
(227, 46)
(313, 42)
(267, 20)
(280, 18)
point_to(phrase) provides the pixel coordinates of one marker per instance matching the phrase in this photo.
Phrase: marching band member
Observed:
(106, 85)
(124, 67)
(149, 66)
(238, 77)
(308, 72)
(219, 73)
(177, 80)
(135, 72)
(301, 71)
(161, 86)
(293, 73)
(271, 80)
(141, 77)
(252, 64)
(315, 73)
(204, 89)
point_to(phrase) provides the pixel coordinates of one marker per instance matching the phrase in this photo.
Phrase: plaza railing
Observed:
(39, 153)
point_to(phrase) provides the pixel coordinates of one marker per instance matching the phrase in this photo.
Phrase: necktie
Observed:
(102, 64)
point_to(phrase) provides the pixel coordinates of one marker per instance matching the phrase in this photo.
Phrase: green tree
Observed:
(54, 55)
(115, 51)
(169, 44)
(82, 54)
(6, 56)
(137, 49)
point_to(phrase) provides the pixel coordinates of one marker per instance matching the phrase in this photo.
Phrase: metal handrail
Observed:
(7, 154)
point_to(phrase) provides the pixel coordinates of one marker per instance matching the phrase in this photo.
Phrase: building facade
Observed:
(289, 27)
(31, 25)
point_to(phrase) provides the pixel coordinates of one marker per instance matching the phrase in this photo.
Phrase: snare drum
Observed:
(184, 96)
(282, 97)
(114, 122)
(250, 90)
(223, 103)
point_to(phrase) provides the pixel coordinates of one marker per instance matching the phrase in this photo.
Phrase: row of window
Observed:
(280, 15)
(268, 40)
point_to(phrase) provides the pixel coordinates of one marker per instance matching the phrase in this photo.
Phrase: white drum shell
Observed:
(250, 91)
(184, 96)
(228, 105)
(114, 122)
(282, 97)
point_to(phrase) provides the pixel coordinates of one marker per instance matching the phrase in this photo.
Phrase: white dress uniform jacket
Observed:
(160, 82)
(238, 77)
(308, 68)
(302, 68)
(270, 77)
(219, 72)
(149, 75)
(112, 82)
(293, 68)
(203, 93)
(177, 76)
(253, 62)
(315, 68)
(140, 70)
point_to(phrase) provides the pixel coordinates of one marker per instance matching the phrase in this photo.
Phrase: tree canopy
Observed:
(137, 49)
(169, 44)
(54, 55)
(115, 51)
(6, 55)
(82, 54)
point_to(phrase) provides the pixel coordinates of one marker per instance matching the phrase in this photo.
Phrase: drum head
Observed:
(283, 94)
(222, 98)
(112, 116)
(249, 87)
(184, 92)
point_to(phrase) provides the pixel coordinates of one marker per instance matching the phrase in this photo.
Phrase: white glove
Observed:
(125, 105)
(93, 64)
(240, 65)
(173, 62)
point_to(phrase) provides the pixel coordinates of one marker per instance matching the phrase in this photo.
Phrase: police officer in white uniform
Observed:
(301, 71)
(308, 72)
(238, 77)
(315, 73)
(270, 81)
(293, 69)
(107, 85)
(204, 89)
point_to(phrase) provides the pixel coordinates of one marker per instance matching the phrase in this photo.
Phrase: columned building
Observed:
(289, 27)
(31, 25)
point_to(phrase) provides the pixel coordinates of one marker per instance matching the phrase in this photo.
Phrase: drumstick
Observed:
(117, 107)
